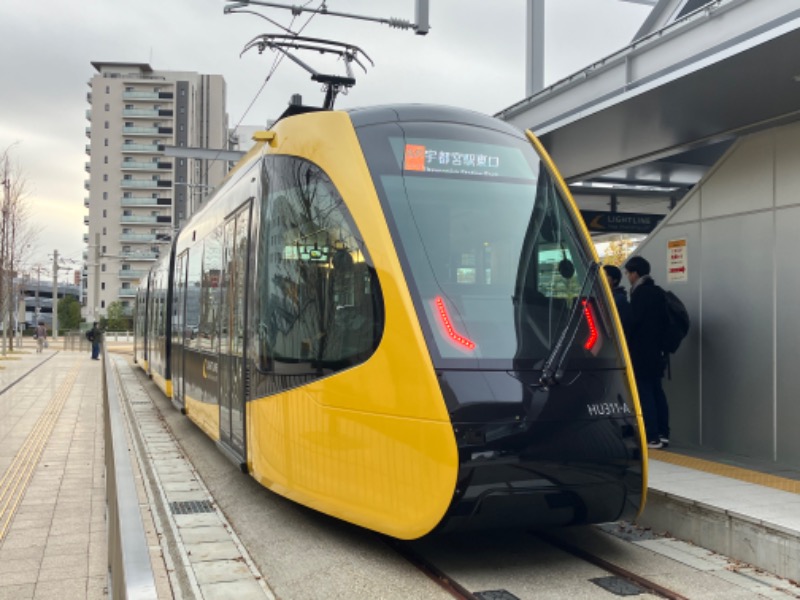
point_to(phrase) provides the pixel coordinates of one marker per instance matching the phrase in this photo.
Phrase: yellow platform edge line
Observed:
(755, 477)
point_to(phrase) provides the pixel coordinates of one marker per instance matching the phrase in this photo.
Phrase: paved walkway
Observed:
(52, 485)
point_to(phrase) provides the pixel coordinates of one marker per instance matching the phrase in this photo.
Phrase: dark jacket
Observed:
(94, 335)
(623, 306)
(645, 329)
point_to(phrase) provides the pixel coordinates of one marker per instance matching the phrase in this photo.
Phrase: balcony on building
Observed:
(85, 219)
(89, 132)
(145, 201)
(132, 274)
(127, 292)
(88, 149)
(153, 184)
(86, 184)
(141, 165)
(150, 148)
(138, 238)
(89, 97)
(139, 256)
(85, 238)
(146, 113)
(87, 167)
(89, 114)
(148, 96)
(138, 219)
(147, 131)
(86, 202)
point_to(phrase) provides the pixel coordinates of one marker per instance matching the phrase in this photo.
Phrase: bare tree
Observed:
(16, 237)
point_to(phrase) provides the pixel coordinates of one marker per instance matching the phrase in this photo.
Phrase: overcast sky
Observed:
(473, 57)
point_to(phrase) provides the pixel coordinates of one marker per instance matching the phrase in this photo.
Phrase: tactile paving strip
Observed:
(756, 477)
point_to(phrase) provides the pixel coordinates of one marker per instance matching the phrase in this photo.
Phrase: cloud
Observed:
(473, 57)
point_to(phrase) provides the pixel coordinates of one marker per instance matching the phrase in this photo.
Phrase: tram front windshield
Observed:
(492, 256)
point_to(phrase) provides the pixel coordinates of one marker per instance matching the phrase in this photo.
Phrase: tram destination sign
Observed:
(617, 222)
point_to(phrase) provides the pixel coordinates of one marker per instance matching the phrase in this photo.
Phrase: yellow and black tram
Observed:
(395, 316)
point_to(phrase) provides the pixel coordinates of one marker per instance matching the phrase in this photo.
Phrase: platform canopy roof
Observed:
(657, 114)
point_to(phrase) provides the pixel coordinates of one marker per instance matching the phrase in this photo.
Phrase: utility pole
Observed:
(3, 235)
(37, 309)
(55, 294)
(534, 77)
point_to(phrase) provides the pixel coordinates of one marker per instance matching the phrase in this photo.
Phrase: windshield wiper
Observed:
(551, 371)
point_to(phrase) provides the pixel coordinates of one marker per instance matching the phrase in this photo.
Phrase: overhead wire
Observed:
(275, 64)
(277, 61)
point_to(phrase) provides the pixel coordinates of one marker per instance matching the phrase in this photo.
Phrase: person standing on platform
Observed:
(41, 336)
(95, 336)
(644, 333)
(614, 277)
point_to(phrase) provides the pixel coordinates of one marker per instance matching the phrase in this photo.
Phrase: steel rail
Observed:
(458, 591)
(643, 582)
(439, 577)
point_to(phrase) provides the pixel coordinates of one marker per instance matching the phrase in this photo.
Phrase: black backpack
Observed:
(677, 323)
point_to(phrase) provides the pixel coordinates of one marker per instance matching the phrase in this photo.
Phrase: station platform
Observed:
(742, 508)
(52, 483)
(53, 530)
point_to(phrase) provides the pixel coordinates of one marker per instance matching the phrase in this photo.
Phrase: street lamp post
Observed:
(3, 236)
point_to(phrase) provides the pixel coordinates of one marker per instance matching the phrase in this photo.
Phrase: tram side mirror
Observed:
(566, 269)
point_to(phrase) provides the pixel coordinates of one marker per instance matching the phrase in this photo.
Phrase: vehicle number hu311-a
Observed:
(607, 409)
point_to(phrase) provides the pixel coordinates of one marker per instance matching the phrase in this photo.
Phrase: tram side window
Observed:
(163, 309)
(320, 302)
(209, 296)
(193, 292)
(158, 305)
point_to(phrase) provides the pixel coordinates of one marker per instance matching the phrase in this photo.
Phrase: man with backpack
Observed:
(646, 331)
(95, 336)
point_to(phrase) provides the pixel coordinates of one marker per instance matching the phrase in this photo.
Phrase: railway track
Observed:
(620, 581)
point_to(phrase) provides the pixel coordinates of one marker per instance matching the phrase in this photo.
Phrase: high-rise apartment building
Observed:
(138, 196)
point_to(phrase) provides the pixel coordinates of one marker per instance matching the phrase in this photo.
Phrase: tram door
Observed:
(179, 328)
(232, 331)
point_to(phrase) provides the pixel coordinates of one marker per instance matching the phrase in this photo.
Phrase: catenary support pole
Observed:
(55, 294)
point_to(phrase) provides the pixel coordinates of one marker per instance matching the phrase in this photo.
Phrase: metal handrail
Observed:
(130, 570)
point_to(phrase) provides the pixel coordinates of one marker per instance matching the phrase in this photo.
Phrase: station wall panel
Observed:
(787, 165)
(788, 334)
(688, 209)
(737, 332)
(743, 180)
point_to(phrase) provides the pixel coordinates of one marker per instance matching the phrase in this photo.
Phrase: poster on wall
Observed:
(676, 261)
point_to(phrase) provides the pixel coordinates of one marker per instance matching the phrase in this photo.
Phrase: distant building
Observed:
(35, 300)
(137, 196)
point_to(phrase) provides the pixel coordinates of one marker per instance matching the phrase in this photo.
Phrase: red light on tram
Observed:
(590, 321)
(448, 326)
